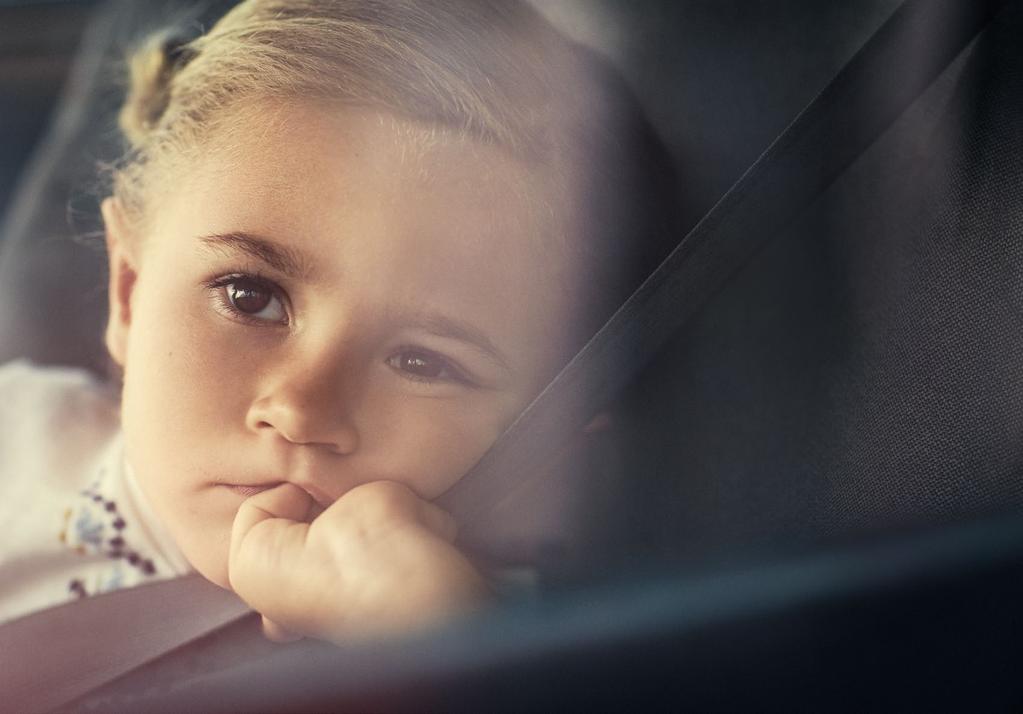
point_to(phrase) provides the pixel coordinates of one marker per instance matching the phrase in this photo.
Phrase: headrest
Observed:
(52, 258)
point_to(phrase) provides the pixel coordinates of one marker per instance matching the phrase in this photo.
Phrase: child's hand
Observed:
(378, 561)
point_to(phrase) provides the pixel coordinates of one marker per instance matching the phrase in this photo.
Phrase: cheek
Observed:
(179, 403)
(182, 379)
(426, 443)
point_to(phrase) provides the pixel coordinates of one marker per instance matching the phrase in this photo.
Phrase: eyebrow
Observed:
(294, 264)
(288, 261)
(444, 326)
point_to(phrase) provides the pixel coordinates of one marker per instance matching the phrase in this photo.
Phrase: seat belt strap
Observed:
(56, 656)
(53, 656)
(881, 80)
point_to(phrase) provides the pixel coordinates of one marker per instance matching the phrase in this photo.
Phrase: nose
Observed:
(307, 407)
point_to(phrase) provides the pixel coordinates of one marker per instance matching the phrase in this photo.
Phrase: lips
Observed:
(247, 490)
(322, 499)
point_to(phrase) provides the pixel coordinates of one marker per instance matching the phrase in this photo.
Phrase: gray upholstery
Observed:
(863, 374)
(52, 264)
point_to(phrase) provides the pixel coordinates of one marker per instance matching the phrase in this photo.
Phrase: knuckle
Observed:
(384, 499)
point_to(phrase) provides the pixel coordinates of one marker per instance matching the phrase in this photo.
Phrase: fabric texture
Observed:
(75, 522)
(862, 375)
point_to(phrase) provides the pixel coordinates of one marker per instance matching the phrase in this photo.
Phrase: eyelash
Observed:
(219, 285)
(454, 373)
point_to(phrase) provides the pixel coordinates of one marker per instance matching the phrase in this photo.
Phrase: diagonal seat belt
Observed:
(53, 657)
(902, 58)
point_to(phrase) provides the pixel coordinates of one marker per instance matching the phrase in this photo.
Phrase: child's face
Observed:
(334, 299)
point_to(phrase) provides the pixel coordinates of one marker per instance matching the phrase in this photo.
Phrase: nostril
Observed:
(301, 427)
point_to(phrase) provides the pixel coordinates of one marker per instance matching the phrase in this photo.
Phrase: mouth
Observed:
(246, 490)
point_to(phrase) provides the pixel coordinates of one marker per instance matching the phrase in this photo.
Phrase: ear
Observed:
(123, 273)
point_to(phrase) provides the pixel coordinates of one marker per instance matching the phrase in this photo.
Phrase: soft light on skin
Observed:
(391, 251)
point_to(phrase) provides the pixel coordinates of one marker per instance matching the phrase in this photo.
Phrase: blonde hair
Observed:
(494, 70)
(486, 68)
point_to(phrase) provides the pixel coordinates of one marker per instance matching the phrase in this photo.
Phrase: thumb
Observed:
(278, 633)
(266, 538)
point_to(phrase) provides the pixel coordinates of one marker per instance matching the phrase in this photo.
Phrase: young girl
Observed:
(350, 241)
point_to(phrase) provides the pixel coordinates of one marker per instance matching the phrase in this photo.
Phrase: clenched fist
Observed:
(378, 561)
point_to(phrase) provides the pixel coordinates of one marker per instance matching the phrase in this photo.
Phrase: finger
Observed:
(438, 521)
(267, 528)
(285, 501)
(278, 633)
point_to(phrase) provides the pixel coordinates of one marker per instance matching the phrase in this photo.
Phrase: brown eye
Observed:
(248, 297)
(424, 366)
(251, 299)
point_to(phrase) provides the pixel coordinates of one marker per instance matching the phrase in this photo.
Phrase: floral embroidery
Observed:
(96, 527)
(89, 531)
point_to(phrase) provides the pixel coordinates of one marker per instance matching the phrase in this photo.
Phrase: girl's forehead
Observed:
(275, 130)
(320, 158)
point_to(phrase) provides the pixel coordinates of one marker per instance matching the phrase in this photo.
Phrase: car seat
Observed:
(856, 380)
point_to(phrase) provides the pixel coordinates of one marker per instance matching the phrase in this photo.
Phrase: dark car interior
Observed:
(810, 497)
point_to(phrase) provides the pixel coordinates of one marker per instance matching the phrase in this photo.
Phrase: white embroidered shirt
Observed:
(74, 521)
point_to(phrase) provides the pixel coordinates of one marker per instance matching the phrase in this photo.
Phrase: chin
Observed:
(216, 573)
(210, 561)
